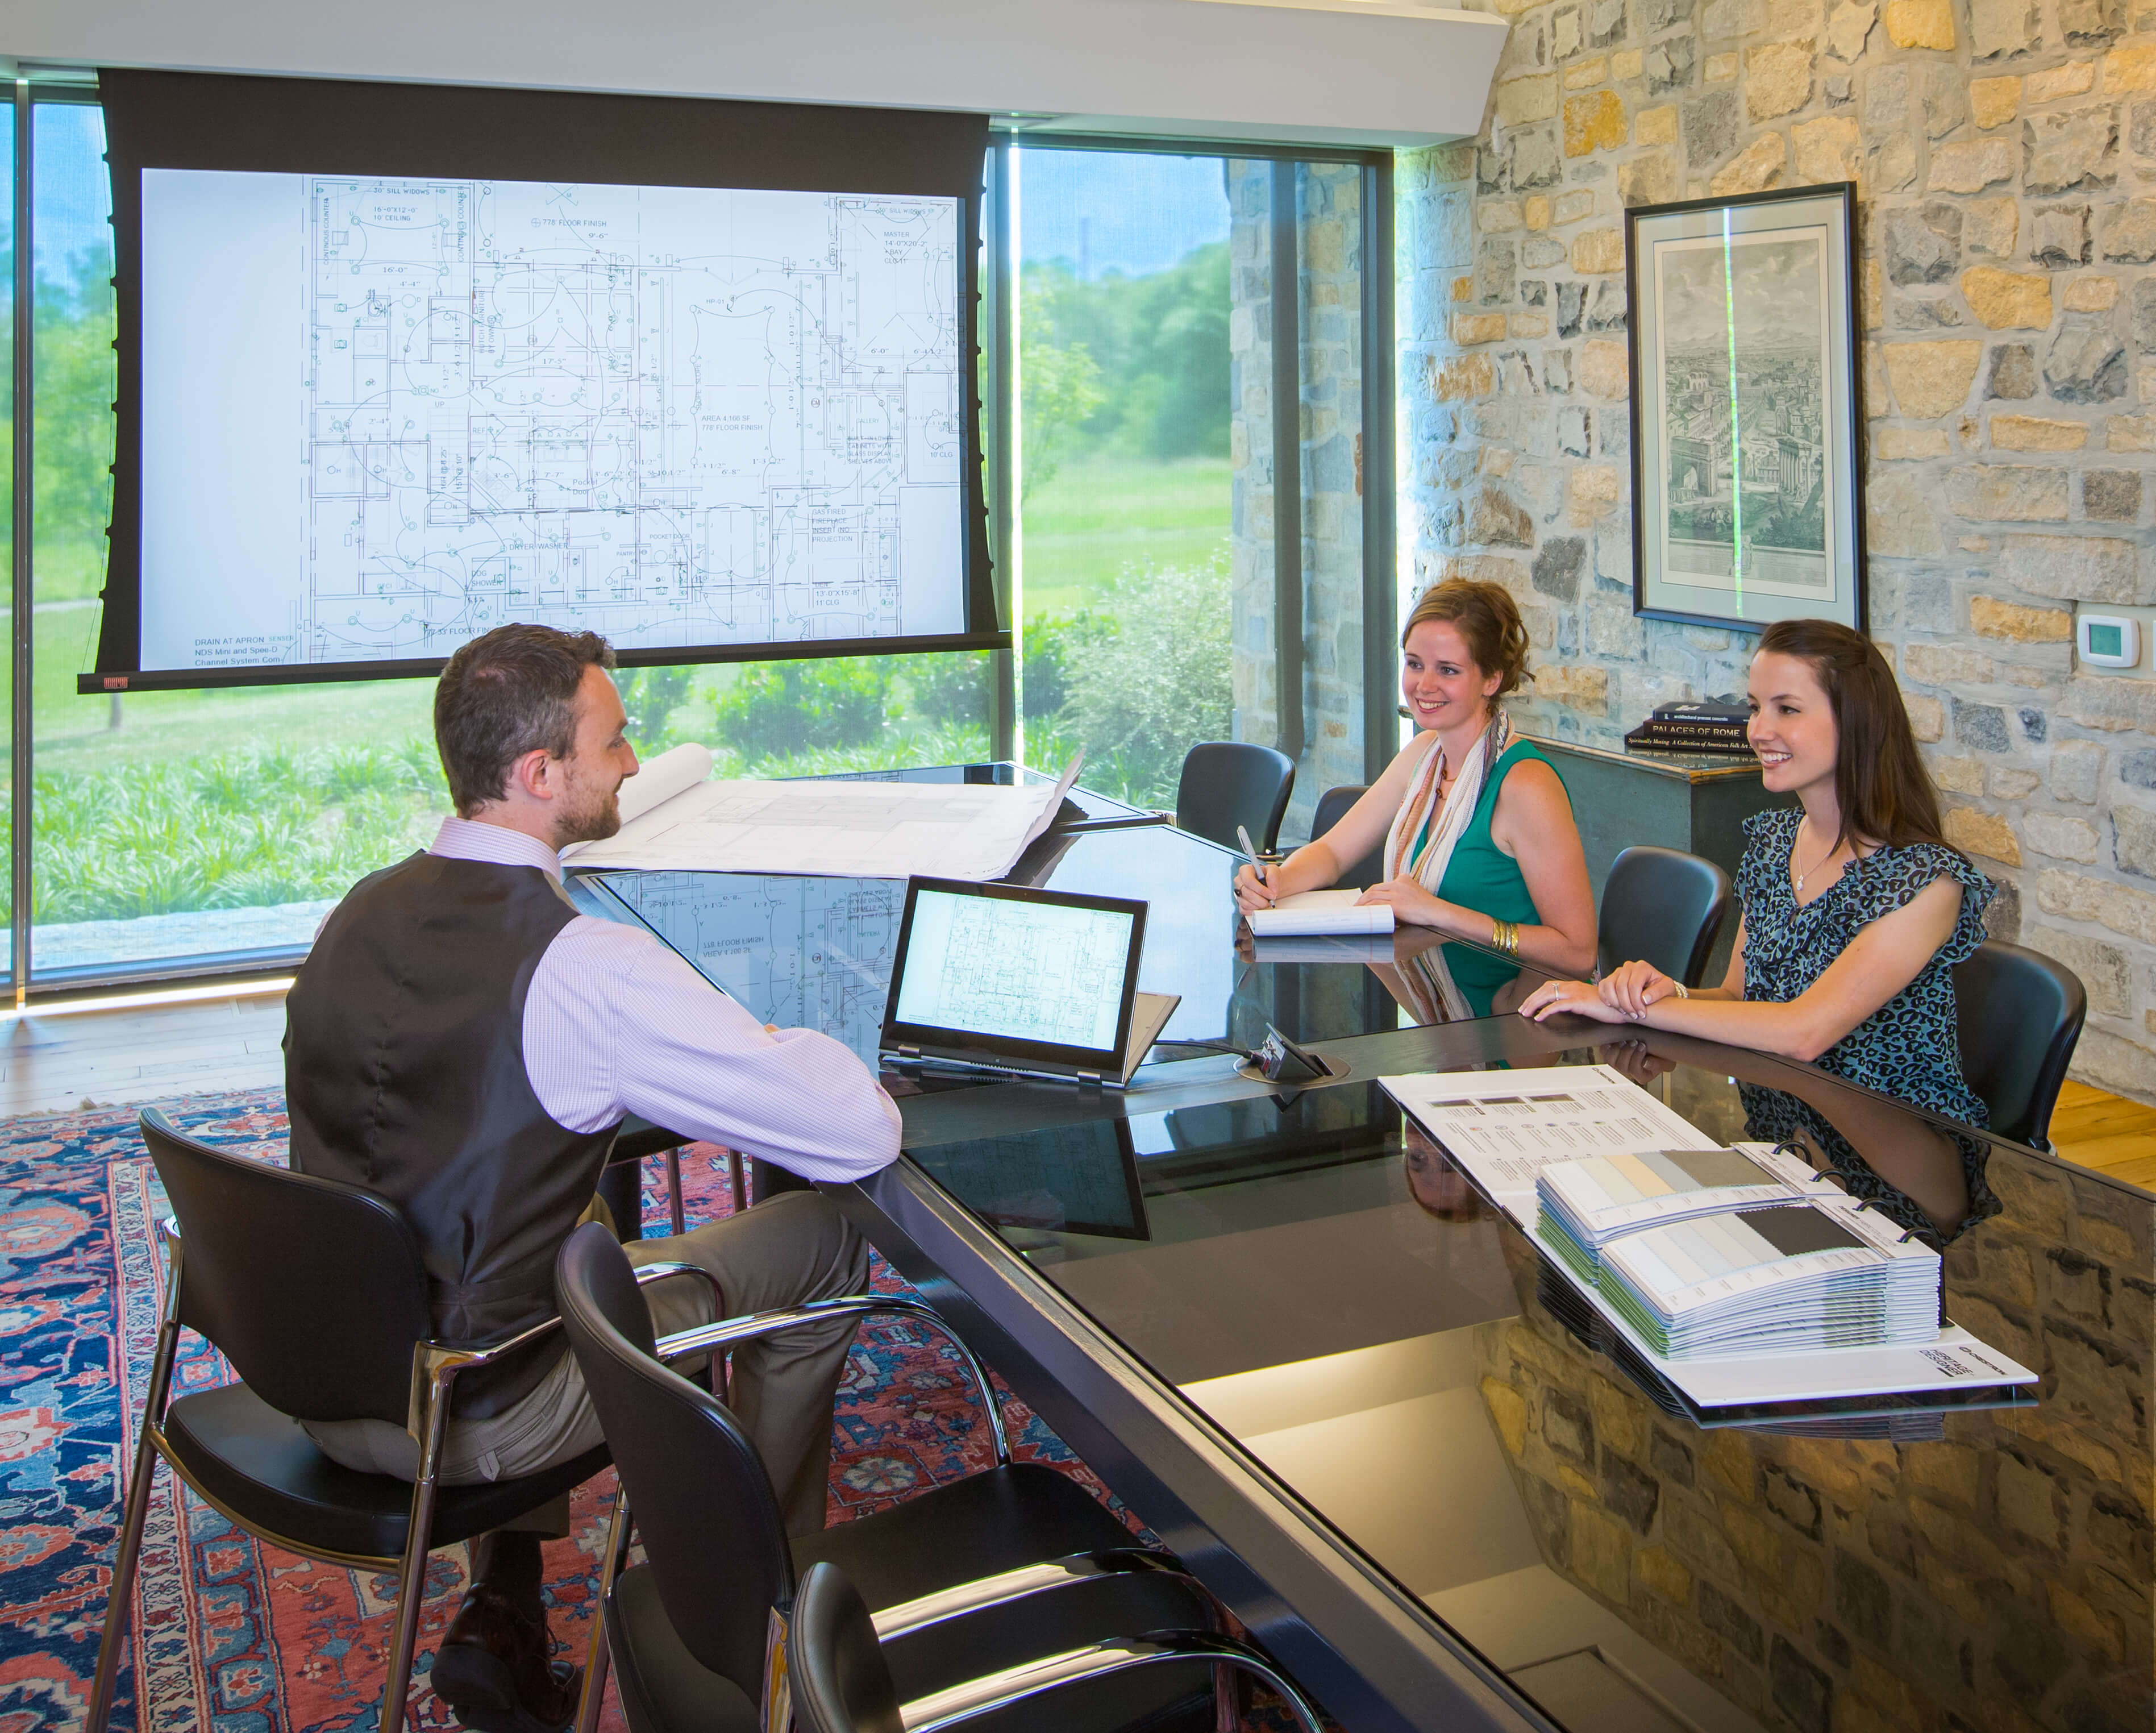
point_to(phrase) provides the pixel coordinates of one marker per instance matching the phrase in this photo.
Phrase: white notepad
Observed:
(1308, 912)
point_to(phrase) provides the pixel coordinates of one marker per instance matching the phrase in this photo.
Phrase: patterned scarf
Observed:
(1428, 826)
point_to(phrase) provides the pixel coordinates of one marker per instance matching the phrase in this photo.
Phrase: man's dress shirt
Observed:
(615, 1023)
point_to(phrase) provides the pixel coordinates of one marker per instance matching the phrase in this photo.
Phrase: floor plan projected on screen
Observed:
(1031, 971)
(674, 415)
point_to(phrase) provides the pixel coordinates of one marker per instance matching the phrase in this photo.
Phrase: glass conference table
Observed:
(1293, 1338)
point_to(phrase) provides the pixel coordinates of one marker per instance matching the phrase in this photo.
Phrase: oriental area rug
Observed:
(232, 1635)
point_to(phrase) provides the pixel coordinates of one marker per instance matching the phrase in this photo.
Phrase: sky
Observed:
(1107, 210)
(72, 196)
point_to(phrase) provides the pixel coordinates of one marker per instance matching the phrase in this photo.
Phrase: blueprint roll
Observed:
(661, 778)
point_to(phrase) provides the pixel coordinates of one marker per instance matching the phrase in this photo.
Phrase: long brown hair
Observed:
(1879, 780)
(1487, 618)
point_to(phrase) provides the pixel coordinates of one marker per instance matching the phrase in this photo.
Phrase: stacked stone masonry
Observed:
(2004, 152)
(1329, 261)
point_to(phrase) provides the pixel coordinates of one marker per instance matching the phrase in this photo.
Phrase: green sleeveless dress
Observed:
(1481, 876)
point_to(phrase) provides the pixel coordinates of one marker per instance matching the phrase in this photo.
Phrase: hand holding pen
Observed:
(1254, 889)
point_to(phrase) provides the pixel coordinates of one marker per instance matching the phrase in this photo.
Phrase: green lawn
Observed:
(75, 733)
(1096, 516)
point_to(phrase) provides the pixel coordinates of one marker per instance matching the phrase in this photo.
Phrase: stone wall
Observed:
(2005, 156)
(1329, 266)
(1995, 1577)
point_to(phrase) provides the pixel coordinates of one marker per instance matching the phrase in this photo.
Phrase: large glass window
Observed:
(172, 827)
(1172, 422)
(1176, 423)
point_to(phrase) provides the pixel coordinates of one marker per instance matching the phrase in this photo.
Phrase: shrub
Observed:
(774, 710)
(950, 691)
(651, 695)
(1142, 695)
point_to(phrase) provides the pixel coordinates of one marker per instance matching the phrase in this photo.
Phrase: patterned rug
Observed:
(233, 1636)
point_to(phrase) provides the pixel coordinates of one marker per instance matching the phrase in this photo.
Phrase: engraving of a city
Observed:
(1741, 348)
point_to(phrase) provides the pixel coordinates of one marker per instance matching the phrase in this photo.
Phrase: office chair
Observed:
(1664, 906)
(1332, 807)
(961, 1574)
(1227, 783)
(2020, 1014)
(841, 1682)
(315, 1291)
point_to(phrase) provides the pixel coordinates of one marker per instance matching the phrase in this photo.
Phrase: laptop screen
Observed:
(1015, 972)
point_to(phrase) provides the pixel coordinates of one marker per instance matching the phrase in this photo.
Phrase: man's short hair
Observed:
(511, 692)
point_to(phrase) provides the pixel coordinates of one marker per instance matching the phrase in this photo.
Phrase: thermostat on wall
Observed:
(2107, 640)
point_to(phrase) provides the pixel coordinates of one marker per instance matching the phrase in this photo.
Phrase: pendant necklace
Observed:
(1815, 865)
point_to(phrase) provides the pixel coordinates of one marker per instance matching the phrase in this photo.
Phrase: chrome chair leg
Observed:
(430, 1376)
(136, 1509)
(674, 1215)
(738, 1176)
(116, 1609)
(600, 1661)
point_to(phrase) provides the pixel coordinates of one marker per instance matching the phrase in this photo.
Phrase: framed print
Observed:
(1747, 491)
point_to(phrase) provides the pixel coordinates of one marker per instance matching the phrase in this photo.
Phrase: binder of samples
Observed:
(1790, 1279)
(1585, 1205)
(1746, 1282)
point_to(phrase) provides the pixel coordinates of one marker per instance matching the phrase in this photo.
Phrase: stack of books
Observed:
(1585, 1205)
(1791, 1278)
(1710, 725)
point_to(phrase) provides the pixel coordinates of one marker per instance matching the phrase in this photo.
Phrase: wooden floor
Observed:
(64, 1064)
(112, 1058)
(2115, 1137)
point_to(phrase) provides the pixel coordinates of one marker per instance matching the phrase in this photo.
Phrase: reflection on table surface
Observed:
(817, 953)
(1331, 1292)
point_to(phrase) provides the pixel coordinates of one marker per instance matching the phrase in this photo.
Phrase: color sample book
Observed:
(1786, 1279)
(1583, 1205)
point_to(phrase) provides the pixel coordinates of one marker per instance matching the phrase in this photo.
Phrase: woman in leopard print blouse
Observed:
(1854, 907)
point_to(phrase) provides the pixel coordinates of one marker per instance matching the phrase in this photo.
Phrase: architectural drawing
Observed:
(1741, 346)
(675, 416)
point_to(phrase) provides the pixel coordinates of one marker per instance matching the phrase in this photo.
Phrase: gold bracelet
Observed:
(1505, 938)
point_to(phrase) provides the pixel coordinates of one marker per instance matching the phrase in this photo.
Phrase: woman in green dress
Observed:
(1480, 841)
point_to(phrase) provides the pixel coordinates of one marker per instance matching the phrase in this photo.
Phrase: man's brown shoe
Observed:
(493, 1668)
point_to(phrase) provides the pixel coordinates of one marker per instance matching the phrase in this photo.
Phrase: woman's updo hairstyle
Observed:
(1485, 615)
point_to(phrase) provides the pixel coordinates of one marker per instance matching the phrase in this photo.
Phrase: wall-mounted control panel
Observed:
(2115, 639)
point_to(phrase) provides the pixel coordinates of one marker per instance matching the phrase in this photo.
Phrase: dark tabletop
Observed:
(1328, 1304)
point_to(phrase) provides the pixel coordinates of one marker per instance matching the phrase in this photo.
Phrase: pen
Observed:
(1243, 836)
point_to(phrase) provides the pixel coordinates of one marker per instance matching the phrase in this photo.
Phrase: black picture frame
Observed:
(1793, 416)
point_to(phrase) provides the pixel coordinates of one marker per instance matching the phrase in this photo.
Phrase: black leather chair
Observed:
(315, 1291)
(959, 1574)
(1227, 783)
(1332, 807)
(841, 1682)
(1664, 906)
(2020, 1014)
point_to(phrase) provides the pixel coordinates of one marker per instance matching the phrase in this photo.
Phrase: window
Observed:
(1145, 377)
(1189, 517)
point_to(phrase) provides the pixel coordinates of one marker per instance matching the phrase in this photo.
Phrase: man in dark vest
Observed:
(463, 1042)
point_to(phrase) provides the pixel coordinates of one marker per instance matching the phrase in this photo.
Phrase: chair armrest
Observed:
(1007, 1585)
(730, 1332)
(435, 1365)
(994, 1691)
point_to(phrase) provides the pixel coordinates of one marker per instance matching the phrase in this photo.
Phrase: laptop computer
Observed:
(1029, 983)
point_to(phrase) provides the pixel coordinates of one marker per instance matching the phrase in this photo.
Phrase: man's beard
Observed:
(592, 821)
